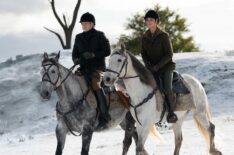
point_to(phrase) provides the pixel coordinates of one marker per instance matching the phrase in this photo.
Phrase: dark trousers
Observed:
(167, 78)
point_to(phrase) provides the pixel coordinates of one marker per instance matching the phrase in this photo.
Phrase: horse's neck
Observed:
(129, 71)
(135, 87)
(69, 90)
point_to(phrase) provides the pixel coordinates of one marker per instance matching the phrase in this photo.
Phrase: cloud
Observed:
(23, 6)
(33, 42)
(27, 43)
(22, 21)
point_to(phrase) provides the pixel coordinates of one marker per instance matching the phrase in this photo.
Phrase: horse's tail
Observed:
(155, 134)
(207, 118)
(201, 112)
(203, 131)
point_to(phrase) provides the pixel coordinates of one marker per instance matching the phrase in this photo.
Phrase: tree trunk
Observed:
(68, 29)
(68, 36)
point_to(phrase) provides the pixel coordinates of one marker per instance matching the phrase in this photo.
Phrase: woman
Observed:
(90, 49)
(157, 55)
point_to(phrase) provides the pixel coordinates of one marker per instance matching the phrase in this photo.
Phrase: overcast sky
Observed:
(21, 25)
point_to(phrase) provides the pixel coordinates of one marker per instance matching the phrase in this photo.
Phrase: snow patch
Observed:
(27, 122)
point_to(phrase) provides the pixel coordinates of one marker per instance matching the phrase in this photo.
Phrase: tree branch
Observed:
(65, 21)
(55, 14)
(75, 14)
(58, 35)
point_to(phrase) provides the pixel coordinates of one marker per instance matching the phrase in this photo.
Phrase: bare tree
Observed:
(66, 28)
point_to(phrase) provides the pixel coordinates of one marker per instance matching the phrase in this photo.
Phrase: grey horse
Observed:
(76, 108)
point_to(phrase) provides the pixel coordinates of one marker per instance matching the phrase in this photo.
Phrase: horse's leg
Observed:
(128, 125)
(143, 132)
(61, 132)
(177, 128)
(213, 150)
(86, 139)
(145, 118)
(208, 130)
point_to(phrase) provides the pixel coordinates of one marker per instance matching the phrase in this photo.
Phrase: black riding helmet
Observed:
(152, 14)
(87, 17)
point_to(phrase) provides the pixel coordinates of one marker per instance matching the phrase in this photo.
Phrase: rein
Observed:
(149, 96)
(73, 109)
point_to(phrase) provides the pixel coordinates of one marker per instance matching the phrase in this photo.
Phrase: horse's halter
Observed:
(125, 63)
(46, 76)
(48, 79)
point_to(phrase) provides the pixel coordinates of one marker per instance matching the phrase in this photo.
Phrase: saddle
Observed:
(184, 98)
(178, 84)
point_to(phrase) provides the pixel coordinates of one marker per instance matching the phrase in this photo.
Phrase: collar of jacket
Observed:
(148, 34)
(89, 33)
(86, 36)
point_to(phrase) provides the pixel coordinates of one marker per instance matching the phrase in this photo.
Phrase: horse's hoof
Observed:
(142, 153)
(219, 153)
(216, 152)
(125, 151)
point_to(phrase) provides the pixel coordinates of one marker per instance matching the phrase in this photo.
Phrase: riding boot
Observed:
(104, 116)
(171, 104)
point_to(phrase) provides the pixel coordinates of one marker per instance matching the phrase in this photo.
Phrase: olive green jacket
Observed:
(157, 50)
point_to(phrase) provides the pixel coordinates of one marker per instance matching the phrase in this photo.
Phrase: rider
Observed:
(90, 49)
(157, 55)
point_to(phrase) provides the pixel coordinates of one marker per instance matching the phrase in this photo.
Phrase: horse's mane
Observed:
(144, 74)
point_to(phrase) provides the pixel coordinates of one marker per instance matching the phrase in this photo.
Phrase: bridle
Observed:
(48, 79)
(124, 66)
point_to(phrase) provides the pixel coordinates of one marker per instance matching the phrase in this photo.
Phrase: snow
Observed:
(27, 122)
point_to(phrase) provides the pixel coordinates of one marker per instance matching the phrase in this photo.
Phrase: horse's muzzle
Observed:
(45, 95)
(107, 80)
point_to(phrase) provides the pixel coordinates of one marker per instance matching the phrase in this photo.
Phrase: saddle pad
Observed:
(122, 92)
(183, 101)
(178, 84)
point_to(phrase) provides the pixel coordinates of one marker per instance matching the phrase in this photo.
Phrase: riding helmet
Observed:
(87, 17)
(152, 14)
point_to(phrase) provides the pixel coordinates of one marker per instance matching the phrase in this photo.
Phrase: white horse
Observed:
(147, 100)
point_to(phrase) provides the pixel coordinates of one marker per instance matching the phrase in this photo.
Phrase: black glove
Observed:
(77, 61)
(88, 55)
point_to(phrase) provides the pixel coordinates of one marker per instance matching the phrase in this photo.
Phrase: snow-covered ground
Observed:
(27, 123)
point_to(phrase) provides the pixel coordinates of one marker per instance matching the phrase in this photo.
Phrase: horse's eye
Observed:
(53, 71)
(119, 60)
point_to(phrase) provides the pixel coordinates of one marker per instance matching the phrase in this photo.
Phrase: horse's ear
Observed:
(57, 56)
(123, 48)
(45, 56)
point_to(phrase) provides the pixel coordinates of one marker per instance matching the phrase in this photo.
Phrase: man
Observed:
(90, 49)
(157, 55)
